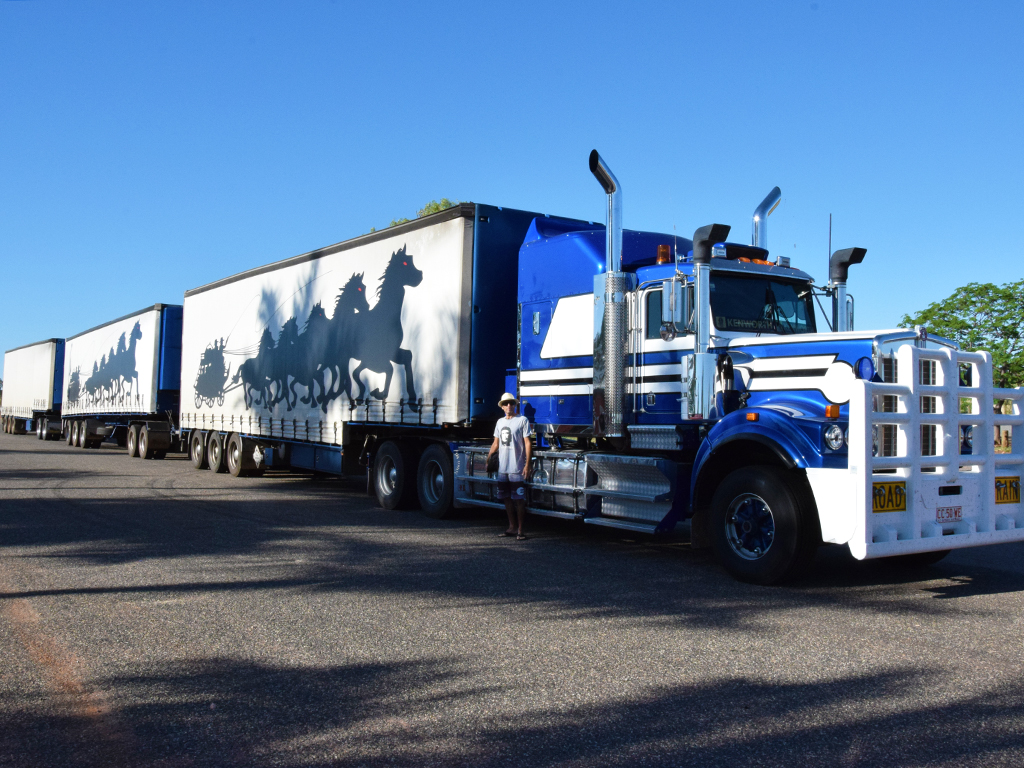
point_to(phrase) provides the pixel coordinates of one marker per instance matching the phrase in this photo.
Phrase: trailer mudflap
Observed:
(909, 487)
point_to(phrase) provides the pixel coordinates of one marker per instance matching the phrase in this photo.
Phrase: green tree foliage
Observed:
(982, 316)
(432, 207)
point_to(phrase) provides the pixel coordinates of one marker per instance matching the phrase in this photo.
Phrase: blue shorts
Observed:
(511, 487)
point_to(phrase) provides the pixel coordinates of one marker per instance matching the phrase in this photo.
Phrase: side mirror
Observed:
(676, 299)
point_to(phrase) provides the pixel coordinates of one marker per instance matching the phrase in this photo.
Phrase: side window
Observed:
(653, 310)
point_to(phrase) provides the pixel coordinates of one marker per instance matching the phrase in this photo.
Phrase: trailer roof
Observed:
(155, 307)
(34, 344)
(461, 211)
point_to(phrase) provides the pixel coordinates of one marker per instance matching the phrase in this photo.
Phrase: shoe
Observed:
(504, 534)
(521, 537)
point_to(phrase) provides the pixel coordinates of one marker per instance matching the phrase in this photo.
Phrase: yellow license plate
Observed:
(1008, 490)
(889, 497)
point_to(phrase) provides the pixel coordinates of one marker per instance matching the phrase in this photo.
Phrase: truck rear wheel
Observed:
(39, 428)
(83, 434)
(132, 444)
(392, 477)
(761, 527)
(197, 450)
(239, 456)
(435, 481)
(215, 452)
(146, 449)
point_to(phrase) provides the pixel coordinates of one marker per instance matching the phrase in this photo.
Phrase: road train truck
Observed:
(667, 379)
(121, 383)
(32, 389)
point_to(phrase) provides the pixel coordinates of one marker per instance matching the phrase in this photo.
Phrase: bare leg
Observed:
(521, 512)
(511, 517)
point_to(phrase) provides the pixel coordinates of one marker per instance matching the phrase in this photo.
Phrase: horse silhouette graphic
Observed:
(114, 377)
(318, 357)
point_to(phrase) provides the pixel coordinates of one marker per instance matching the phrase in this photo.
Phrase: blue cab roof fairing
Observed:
(558, 259)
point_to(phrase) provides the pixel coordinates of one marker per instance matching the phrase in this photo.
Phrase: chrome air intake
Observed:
(838, 272)
(700, 368)
(611, 411)
(761, 214)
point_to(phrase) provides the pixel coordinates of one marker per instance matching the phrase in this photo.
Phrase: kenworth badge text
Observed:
(667, 380)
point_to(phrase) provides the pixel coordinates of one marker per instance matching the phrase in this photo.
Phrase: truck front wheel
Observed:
(761, 526)
(435, 481)
(392, 477)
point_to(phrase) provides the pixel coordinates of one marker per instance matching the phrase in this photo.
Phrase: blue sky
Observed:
(148, 148)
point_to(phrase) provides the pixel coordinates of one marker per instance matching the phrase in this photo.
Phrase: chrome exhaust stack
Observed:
(700, 368)
(838, 272)
(761, 214)
(611, 410)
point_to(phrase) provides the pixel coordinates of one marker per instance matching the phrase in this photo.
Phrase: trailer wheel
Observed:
(761, 529)
(392, 477)
(145, 452)
(133, 441)
(197, 450)
(73, 434)
(239, 456)
(435, 481)
(83, 434)
(215, 452)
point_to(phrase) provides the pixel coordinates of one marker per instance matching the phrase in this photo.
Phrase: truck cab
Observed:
(672, 379)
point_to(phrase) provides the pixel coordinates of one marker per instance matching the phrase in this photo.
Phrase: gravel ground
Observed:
(155, 615)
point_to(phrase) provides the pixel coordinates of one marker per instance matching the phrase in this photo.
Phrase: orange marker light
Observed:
(753, 416)
(664, 254)
(831, 411)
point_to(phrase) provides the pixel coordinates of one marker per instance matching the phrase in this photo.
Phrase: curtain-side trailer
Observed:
(121, 382)
(378, 351)
(32, 389)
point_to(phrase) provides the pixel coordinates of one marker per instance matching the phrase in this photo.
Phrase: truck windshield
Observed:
(759, 304)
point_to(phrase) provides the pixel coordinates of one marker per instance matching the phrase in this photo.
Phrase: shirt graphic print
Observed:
(511, 434)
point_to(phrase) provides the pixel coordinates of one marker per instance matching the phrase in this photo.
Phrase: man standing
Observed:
(512, 442)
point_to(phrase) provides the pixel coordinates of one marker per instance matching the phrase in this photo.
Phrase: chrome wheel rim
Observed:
(749, 526)
(387, 475)
(433, 488)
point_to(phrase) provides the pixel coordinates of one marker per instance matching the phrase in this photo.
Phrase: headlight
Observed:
(834, 437)
(967, 439)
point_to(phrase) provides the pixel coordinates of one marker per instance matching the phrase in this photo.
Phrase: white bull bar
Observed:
(950, 499)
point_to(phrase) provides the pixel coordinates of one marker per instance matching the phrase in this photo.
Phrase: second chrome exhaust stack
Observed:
(761, 214)
(611, 410)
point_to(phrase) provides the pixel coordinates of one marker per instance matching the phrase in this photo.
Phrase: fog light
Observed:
(834, 437)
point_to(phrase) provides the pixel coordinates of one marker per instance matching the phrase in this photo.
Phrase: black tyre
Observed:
(916, 560)
(83, 434)
(197, 450)
(234, 455)
(393, 479)
(215, 452)
(132, 443)
(73, 433)
(39, 428)
(435, 481)
(145, 444)
(762, 524)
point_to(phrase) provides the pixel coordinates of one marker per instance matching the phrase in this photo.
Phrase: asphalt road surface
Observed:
(151, 614)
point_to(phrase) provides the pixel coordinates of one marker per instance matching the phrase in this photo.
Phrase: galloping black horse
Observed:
(379, 341)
